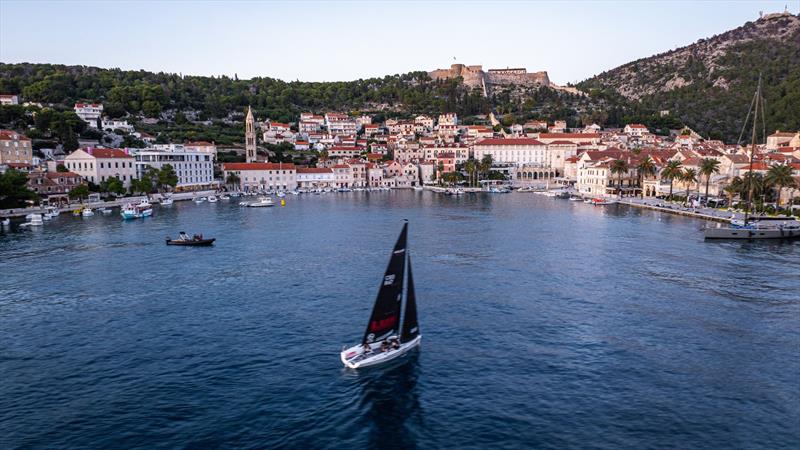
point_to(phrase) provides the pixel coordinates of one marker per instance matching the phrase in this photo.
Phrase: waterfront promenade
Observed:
(22, 212)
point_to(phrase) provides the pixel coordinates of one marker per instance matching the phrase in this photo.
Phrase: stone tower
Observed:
(250, 136)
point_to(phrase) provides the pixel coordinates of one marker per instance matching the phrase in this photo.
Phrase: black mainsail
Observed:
(410, 325)
(385, 318)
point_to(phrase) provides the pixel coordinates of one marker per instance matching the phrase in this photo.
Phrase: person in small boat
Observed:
(395, 344)
(183, 236)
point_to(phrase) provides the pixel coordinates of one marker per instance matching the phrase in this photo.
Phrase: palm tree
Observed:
(689, 176)
(733, 188)
(780, 176)
(753, 186)
(671, 172)
(708, 167)
(232, 179)
(619, 167)
(470, 166)
(645, 168)
(486, 165)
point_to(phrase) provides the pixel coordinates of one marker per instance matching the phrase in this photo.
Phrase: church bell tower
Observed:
(250, 136)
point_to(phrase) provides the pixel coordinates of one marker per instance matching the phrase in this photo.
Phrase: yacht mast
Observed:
(752, 154)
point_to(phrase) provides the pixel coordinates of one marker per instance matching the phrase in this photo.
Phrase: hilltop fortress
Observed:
(474, 76)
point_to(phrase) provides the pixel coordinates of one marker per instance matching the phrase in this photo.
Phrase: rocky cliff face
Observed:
(704, 62)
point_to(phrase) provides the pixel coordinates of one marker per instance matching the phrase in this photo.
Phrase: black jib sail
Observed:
(410, 324)
(385, 318)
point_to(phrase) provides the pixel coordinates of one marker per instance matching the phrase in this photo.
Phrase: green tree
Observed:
(167, 178)
(79, 192)
(232, 180)
(471, 166)
(61, 168)
(113, 186)
(14, 190)
(780, 176)
(689, 176)
(619, 167)
(485, 165)
(671, 172)
(645, 168)
(708, 167)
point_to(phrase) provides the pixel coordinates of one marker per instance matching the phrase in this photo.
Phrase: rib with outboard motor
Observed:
(393, 328)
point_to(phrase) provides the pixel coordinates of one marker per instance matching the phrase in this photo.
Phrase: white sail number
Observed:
(388, 280)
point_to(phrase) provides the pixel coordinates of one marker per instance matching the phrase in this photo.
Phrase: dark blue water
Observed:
(545, 324)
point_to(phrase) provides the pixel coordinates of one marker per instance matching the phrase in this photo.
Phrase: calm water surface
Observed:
(545, 324)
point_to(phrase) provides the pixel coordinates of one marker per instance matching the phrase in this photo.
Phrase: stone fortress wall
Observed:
(474, 76)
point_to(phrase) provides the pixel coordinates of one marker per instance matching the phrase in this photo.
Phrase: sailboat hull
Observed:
(354, 357)
(751, 233)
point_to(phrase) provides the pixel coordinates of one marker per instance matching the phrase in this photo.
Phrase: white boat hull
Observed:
(354, 358)
(751, 233)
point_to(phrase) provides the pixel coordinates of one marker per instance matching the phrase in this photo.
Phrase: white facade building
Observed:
(194, 169)
(89, 112)
(513, 151)
(99, 164)
(256, 176)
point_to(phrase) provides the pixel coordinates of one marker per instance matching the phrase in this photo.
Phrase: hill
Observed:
(708, 85)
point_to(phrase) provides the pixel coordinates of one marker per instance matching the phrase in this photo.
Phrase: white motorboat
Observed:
(602, 201)
(224, 197)
(281, 194)
(34, 220)
(212, 199)
(87, 212)
(199, 200)
(417, 188)
(167, 201)
(52, 212)
(105, 210)
(575, 198)
(6, 222)
(261, 203)
(393, 328)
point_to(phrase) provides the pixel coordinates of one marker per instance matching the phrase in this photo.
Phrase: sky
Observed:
(348, 40)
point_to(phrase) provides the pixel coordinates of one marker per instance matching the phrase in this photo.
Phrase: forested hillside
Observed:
(708, 85)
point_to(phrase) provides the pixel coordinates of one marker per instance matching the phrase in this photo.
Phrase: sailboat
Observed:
(755, 227)
(393, 329)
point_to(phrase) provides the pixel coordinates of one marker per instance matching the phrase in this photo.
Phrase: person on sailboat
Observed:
(367, 349)
(395, 344)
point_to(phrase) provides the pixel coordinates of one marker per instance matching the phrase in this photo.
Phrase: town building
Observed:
(262, 176)
(315, 178)
(15, 149)
(97, 165)
(194, 169)
(89, 112)
(512, 151)
(9, 99)
(53, 185)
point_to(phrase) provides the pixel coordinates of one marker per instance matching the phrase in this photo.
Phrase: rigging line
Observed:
(746, 119)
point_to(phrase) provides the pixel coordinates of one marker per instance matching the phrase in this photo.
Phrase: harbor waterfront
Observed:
(548, 324)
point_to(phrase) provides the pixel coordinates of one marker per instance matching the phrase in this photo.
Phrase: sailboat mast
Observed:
(404, 301)
(752, 154)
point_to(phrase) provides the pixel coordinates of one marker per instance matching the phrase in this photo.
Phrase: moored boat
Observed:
(167, 201)
(195, 241)
(212, 199)
(130, 211)
(393, 328)
(261, 203)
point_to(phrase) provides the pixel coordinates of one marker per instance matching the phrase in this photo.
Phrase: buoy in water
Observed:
(283, 202)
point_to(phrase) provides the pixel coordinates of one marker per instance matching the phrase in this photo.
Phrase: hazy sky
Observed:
(327, 40)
